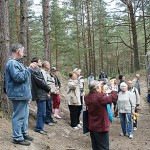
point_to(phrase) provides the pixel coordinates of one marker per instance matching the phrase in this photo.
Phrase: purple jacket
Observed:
(98, 119)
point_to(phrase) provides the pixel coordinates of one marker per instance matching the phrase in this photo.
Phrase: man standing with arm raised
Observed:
(17, 82)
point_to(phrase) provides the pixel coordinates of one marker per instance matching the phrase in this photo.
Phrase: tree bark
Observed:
(129, 5)
(84, 38)
(4, 48)
(93, 36)
(77, 30)
(134, 34)
(89, 38)
(46, 30)
(101, 59)
(23, 27)
(56, 47)
(144, 28)
(17, 19)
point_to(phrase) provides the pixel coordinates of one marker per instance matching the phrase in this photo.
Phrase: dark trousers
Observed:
(41, 112)
(100, 140)
(48, 117)
(74, 114)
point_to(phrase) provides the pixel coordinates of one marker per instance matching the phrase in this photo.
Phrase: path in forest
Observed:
(63, 137)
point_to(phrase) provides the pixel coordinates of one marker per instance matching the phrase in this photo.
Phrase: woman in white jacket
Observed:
(126, 107)
(73, 97)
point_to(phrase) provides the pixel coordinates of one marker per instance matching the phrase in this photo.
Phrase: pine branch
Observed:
(125, 43)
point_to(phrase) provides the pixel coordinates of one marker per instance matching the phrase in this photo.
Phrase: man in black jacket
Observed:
(40, 93)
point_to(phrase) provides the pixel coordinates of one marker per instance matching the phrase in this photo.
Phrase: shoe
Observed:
(79, 126)
(51, 124)
(23, 142)
(45, 131)
(131, 136)
(54, 121)
(57, 116)
(42, 132)
(81, 122)
(121, 134)
(76, 128)
(29, 138)
(135, 128)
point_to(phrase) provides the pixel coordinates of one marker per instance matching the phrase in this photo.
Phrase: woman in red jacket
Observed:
(98, 120)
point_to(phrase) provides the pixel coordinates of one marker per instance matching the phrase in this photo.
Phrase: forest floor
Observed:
(63, 137)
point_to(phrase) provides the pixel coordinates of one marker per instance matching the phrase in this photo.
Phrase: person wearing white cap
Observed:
(126, 108)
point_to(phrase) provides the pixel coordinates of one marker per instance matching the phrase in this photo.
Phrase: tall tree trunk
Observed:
(89, 38)
(93, 52)
(144, 28)
(131, 50)
(129, 5)
(84, 38)
(117, 58)
(4, 48)
(77, 30)
(46, 30)
(101, 65)
(17, 19)
(28, 44)
(134, 34)
(56, 47)
(23, 26)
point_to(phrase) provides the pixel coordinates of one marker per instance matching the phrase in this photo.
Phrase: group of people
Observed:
(124, 97)
(39, 83)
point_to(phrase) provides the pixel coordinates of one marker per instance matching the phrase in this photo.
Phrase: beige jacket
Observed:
(50, 81)
(73, 94)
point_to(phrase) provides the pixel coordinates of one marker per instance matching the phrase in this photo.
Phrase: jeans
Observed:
(48, 117)
(126, 123)
(100, 140)
(41, 113)
(20, 119)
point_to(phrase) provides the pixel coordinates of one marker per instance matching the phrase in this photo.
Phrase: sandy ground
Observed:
(63, 137)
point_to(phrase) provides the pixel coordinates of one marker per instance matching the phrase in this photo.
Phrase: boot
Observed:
(56, 115)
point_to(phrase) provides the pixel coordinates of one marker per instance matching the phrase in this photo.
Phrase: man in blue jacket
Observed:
(17, 82)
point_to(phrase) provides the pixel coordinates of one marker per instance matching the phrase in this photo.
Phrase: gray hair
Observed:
(45, 63)
(94, 84)
(15, 47)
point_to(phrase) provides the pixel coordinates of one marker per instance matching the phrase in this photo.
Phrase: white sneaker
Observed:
(79, 126)
(57, 116)
(135, 128)
(76, 128)
(121, 134)
(81, 122)
(131, 136)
